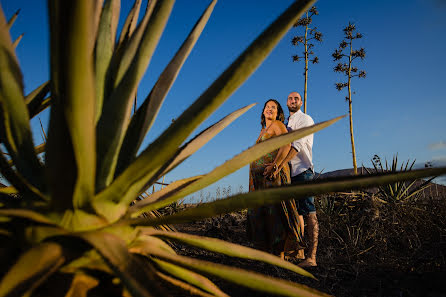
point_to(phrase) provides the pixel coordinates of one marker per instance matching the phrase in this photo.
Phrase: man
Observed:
(300, 157)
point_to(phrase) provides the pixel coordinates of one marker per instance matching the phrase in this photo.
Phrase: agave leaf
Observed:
(241, 277)
(90, 260)
(33, 267)
(142, 121)
(12, 19)
(81, 284)
(144, 244)
(115, 117)
(17, 40)
(19, 182)
(274, 195)
(38, 233)
(227, 248)
(36, 98)
(74, 101)
(104, 48)
(201, 139)
(137, 208)
(143, 169)
(130, 22)
(128, 47)
(191, 290)
(192, 280)
(239, 161)
(15, 130)
(137, 277)
(27, 214)
(8, 190)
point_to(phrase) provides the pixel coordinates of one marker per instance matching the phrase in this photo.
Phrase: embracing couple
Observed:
(279, 228)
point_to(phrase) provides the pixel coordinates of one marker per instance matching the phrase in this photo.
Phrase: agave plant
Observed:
(67, 224)
(403, 190)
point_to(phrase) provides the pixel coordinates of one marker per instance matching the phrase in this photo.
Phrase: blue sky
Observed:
(399, 108)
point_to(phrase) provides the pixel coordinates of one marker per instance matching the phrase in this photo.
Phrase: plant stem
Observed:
(352, 139)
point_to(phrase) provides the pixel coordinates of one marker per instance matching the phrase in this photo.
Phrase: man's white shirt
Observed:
(304, 146)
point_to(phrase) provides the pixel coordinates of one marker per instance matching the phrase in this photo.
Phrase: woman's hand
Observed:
(271, 171)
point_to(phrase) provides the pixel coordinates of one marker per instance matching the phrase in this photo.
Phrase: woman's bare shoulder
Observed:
(279, 126)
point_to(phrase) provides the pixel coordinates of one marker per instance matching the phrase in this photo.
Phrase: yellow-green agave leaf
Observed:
(297, 191)
(138, 276)
(192, 280)
(176, 186)
(81, 284)
(33, 267)
(27, 214)
(227, 248)
(36, 98)
(105, 45)
(71, 151)
(240, 277)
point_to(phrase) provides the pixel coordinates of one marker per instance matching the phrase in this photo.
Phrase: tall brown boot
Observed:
(313, 234)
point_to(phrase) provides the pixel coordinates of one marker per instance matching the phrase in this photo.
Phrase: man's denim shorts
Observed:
(305, 205)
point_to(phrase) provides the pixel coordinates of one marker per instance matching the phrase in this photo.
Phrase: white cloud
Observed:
(438, 145)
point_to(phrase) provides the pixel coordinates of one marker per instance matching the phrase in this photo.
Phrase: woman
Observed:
(273, 228)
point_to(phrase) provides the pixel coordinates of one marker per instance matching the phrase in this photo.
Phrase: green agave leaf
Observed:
(38, 233)
(137, 277)
(241, 277)
(38, 149)
(227, 248)
(138, 207)
(81, 284)
(201, 139)
(239, 161)
(35, 100)
(27, 214)
(144, 244)
(8, 190)
(274, 195)
(74, 101)
(143, 169)
(20, 183)
(90, 260)
(105, 44)
(191, 290)
(14, 120)
(192, 280)
(116, 114)
(17, 40)
(12, 19)
(142, 121)
(33, 267)
(130, 22)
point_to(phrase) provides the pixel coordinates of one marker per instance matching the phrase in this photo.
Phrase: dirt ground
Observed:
(367, 262)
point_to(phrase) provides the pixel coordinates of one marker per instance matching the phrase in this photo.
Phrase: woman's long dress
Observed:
(273, 228)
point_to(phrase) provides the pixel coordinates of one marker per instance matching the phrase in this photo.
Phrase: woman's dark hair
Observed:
(280, 115)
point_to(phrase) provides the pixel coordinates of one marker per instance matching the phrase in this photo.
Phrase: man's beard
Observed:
(293, 108)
